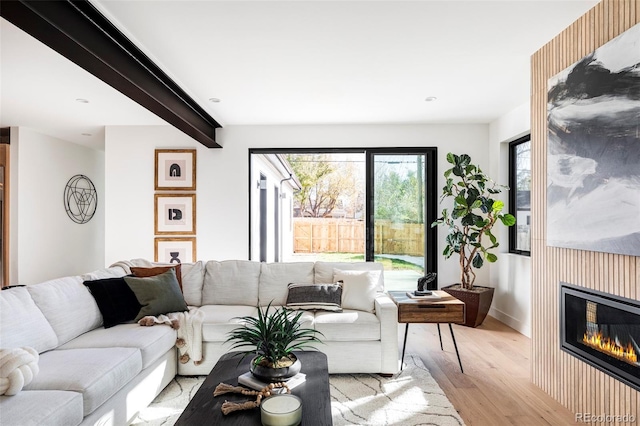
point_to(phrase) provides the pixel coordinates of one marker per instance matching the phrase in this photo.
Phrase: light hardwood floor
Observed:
(495, 388)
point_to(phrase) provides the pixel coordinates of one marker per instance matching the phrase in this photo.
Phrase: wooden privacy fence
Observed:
(320, 235)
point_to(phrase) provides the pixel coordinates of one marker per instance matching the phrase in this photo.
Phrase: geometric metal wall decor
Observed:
(80, 199)
(593, 150)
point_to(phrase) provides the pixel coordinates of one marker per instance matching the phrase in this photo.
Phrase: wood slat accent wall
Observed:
(578, 386)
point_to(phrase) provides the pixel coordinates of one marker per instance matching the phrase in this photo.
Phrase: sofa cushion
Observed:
(324, 297)
(116, 301)
(153, 342)
(159, 294)
(192, 279)
(22, 322)
(347, 326)
(324, 270)
(275, 277)
(221, 319)
(68, 306)
(96, 373)
(36, 408)
(143, 272)
(231, 282)
(359, 288)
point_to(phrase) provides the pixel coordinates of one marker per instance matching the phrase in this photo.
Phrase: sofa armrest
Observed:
(387, 313)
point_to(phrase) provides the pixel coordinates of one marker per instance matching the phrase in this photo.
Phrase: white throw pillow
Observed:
(359, 288)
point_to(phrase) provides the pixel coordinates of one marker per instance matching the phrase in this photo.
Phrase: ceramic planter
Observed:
(270, 374)
(477, 302)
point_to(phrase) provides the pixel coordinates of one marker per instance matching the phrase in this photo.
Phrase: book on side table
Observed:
(430, 296)
(247, 379)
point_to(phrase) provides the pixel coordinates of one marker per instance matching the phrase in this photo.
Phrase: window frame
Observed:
(513, 166)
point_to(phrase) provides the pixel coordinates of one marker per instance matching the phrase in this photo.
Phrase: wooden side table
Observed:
(447, 310)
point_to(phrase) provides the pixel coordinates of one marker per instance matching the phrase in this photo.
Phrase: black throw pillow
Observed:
(116, 301)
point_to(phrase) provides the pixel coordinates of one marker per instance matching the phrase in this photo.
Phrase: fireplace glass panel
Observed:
(602, 330)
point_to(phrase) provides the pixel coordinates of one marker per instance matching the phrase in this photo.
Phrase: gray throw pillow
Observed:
(158, 295)
(326, 297)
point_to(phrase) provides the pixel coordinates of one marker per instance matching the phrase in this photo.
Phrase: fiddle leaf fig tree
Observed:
(473, 216)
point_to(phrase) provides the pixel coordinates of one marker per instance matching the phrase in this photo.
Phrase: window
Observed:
(520, 195)
(324, 194)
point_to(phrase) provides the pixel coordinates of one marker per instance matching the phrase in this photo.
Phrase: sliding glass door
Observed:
(400, 211)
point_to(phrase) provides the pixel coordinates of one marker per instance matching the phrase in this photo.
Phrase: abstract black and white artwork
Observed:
(593, 151)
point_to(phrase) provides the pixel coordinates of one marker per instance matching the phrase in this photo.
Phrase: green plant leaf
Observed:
(480, 223)
(491, 257)
(497, 206)
(508, 219)
(477, 261)
(491, 236)
(272, 335)
(461, 200)
(470, 219)
(458, 212)
(451, 158)
(447, 173)
(465, 160)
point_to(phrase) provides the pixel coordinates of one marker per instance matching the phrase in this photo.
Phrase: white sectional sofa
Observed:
(92, 375)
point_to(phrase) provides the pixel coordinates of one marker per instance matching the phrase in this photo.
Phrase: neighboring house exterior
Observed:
(271, 198)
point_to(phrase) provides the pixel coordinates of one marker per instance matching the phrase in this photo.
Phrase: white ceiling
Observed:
(298, 62)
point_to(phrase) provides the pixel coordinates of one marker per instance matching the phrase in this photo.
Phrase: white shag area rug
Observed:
(410, 398)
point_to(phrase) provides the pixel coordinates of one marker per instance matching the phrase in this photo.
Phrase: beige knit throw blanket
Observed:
(18, 367)
(189, 327)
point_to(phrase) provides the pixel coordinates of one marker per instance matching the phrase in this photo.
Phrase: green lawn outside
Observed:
(389, 264)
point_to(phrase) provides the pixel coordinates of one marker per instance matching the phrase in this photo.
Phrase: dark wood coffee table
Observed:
(314, 392)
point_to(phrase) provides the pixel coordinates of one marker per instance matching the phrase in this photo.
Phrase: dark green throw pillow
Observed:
(158, 295)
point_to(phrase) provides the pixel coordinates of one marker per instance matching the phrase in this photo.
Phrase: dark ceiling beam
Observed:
(79, 32)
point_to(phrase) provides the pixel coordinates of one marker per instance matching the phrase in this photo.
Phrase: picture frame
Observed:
(175, 250)
(175, 214)
(175, 169)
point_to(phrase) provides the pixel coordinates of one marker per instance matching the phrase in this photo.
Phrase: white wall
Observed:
(222, 178)
(45, 242)
(511, 275)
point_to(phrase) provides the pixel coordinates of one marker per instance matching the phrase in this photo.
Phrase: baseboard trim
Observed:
(511, 321)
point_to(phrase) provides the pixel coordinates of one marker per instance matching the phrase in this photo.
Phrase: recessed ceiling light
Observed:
(214, 100)
(430, 98)
(82, 101)
(85, 134)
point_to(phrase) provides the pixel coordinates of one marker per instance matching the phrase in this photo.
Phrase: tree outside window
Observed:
(520, 195)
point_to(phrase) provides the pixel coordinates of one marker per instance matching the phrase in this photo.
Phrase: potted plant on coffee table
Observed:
(469, 224)
(272, 337)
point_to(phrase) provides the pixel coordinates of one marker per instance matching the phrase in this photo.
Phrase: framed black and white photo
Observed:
(593, 150)
(175, 170)
(175, 250)
(175, 214)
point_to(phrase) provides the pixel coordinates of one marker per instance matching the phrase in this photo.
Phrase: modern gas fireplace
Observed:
(602, 330)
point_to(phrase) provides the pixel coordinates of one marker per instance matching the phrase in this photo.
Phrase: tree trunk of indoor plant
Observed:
(477, 302)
